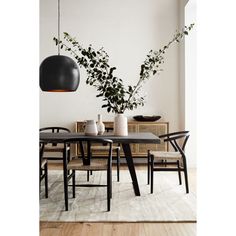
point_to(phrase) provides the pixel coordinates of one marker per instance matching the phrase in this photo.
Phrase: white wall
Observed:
(182, 4)
(191, 82)
(187, 79)
(127, 29)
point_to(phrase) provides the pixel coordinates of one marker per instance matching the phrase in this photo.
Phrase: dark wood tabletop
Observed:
(131, 138)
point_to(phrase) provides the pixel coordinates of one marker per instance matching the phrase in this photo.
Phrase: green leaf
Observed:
(99, 95)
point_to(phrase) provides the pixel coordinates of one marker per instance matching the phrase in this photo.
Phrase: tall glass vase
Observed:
(120, 125)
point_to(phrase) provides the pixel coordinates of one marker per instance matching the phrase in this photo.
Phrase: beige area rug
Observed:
(169, 203)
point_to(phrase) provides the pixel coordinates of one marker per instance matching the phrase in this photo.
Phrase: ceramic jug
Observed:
(91, 128)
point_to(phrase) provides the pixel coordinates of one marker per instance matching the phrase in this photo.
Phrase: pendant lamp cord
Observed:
(58, 25)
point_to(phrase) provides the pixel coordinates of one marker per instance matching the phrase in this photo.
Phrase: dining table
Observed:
(124, 141)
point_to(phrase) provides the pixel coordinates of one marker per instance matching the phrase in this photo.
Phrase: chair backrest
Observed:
(54, 129)
(178, 140)
(88, 141)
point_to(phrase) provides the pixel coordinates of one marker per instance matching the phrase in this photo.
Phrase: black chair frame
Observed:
(86, 161)
(55, 129)
(172, 138)
(43, 171)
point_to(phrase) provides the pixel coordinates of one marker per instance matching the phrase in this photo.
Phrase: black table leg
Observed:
(130, 163)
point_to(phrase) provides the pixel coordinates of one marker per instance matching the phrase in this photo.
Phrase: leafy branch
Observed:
(116, 97)
(154, 59)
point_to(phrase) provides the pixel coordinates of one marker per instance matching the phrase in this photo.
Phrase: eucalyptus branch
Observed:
(100, 75)
(154, 59)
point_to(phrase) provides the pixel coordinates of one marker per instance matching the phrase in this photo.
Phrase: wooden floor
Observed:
(116, 229)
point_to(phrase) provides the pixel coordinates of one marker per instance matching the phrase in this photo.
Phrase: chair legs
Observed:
(111, 184)
(73, 183)
(118, 164)
(179, 169)
(108, 199)
(179, 173)
(152, 172)
(46, 179)
(43, 174)
(109, 190)
(148, 167)
(186, 176)
(68, 160)
(65, 186)
(87, 175)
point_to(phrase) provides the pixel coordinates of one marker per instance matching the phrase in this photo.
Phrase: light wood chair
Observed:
(164, 161)
(86, 163)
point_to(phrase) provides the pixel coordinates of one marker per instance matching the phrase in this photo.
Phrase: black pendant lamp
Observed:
(59, 73)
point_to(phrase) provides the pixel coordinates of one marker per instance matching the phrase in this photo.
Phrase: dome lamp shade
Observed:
(59, 73)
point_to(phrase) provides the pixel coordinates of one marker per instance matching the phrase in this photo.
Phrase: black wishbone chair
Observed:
(161, 160)
(54, 147)
(86, 163)
(43, 169)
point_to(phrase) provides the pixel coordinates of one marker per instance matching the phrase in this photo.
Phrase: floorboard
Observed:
(117, 229)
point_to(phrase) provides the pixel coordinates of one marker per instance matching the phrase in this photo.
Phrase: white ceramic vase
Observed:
(100, 125)
(91, 128)
(120, 125)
